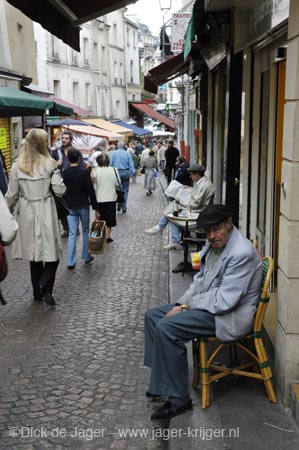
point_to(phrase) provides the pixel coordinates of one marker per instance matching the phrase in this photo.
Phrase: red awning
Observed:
(148, 111)
(167, 71)
(63, 17)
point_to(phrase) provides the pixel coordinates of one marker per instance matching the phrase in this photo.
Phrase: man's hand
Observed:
(177, 200)
(97, 215)
(59, 162)
(174, 310)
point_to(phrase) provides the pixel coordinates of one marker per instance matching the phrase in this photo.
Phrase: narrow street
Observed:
(73, 376)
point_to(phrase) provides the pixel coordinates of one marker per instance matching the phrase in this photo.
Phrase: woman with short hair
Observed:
(106, 180)
(150, 165)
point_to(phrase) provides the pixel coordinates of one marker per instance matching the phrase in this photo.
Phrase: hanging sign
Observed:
(3, 142)
(179, 27)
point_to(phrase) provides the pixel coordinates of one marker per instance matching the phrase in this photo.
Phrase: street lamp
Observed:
(165, 5)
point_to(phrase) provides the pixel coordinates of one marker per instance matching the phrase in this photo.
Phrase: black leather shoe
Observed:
(49, 299)
(71, 267)
(179, 268)
(169, 410)
(155, 397)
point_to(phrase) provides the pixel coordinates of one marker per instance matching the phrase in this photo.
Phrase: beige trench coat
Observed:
(38, 237)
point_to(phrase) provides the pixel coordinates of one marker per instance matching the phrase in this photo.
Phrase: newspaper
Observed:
(176, 189)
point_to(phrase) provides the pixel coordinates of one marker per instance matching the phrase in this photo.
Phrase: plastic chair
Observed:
(251, 344)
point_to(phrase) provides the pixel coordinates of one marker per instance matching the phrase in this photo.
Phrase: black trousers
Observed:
(42, 277)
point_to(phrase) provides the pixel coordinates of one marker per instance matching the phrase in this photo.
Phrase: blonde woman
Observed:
(29, 194)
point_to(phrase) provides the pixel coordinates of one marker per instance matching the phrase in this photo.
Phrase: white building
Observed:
(103, 76)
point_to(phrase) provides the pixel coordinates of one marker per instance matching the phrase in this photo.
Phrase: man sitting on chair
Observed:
(221, 300)
(202, 194)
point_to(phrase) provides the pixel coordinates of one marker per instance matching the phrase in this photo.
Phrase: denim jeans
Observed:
(175, 230)
(73, 221)
(124, 176)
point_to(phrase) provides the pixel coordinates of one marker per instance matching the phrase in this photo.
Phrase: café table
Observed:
(186, 223)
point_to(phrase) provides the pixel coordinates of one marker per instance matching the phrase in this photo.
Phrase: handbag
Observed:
(142, 170)
(62, 207)
(97, 236)
(120, 195)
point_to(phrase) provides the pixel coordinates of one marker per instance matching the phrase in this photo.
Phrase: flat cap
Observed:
(212, 215)
(196, 168)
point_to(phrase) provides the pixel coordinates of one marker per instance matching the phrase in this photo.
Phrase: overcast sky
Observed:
(149, 13)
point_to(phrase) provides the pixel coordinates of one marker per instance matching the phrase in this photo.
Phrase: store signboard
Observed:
(179, 27)
(3, 142)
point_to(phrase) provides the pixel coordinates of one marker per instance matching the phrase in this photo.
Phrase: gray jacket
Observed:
(231, 289)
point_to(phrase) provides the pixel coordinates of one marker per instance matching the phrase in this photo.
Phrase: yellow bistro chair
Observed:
(251, 344)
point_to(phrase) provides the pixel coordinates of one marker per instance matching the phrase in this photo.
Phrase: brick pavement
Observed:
(81, 364)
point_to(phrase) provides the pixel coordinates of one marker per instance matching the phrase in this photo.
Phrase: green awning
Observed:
(14, 103)
(189, 37)
(61, 110)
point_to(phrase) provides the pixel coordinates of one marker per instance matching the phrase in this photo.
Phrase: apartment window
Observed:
(74, 58)
(134, 39)
(21, 50)
(76, 92)
(87, 96)
(96, 56)
(103, 58)
(56, 88)
(117, 108)
(115, 33)
(121, 74)
(128, 36)
(131, 72)
(85, 52)
(55, 52)
(36, 47)
(115, 73)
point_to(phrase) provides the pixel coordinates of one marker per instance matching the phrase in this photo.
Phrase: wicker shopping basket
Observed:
(96, 244)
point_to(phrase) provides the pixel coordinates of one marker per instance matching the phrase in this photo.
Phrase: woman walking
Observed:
(38, 238)
(150, 164)
(106, 180)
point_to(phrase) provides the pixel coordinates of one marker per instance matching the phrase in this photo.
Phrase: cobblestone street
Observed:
(73, 376)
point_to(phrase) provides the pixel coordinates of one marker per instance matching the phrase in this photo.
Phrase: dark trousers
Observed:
(169, 171)
(165, 351)
(42, 277)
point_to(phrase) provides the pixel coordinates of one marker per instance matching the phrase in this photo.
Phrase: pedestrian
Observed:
(150, 164)
(161, 155)
(3, 174)
(171, 154)
(80, 193)
(182, 175)
(106, 179)
(60, 155)
(221, 300)
(29, 194)
(8, 231)
(121, 160)
(8, 224)
(202, 194)
(139, 147)
(136, 162)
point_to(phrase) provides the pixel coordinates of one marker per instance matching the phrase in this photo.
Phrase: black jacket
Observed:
(80, 191)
